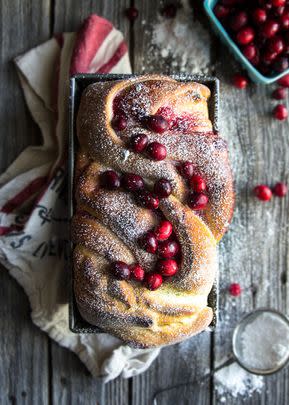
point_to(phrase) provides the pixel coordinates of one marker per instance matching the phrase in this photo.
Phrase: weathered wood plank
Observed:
(71, 382)
(69, 16)
(255, 251)
(24, 24)
(189, 360)
(24, 373)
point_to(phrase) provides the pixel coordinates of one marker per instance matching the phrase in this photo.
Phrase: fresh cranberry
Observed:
(186, 169)
(278, 3)
(148, 200)
(284, 81)
(167, 267)
(268, 57)
(256, 60)
(197, 183)
(137, 272)
(162, 188)
(169, 11)
(280, 189)
(197, 201)
(265, 4)
(278, 11)
(259, 15)
(240, 81)
(119, 122)
(250, 51)
(154, 281)
(131, 13)
(238, 20)
(157, 123)
(245, 36)
(163, 230)
(221, 12)
(235, 289)
(280, 64)
(157, 151)
(132, 182)
(276, 44)
(120, 270)
(168, 249)
(270, 28)
(279, 94)
(284, 20)
(263, 192)
(280, 112)
(149, 242)
(110, 179)
(139, 142)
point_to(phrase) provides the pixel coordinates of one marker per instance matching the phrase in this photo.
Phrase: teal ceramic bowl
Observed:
(254, 74)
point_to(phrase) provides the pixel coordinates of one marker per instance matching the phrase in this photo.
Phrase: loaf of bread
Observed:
(153, 197)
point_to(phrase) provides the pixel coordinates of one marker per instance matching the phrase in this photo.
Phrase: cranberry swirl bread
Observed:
(154, 194)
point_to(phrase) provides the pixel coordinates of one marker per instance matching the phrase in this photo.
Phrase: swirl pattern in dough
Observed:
(108, 224)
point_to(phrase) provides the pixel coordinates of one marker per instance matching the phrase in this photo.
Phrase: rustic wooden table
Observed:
(35, 370)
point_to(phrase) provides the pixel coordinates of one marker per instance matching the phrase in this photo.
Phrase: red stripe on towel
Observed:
(24, 195)
(89, 38)
(107, 67)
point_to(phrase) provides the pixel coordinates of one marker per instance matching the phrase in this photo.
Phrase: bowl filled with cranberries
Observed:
(256, 32)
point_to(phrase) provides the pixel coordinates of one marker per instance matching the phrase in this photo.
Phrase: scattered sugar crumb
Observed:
(182, 40)
(235, 381)
(126, 154)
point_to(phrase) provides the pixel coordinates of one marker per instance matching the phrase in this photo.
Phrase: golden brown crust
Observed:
(108, 224)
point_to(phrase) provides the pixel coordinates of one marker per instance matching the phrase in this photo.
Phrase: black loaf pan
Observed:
(78, 83)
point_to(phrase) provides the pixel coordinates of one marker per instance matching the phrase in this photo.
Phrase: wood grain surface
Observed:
(255, 253)
(24, 349)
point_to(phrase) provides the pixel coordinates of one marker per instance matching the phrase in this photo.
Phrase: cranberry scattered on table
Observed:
(284, 81)
(240, 81)
(169, 11)
(263, 192)
(235, 289)
(280, 112)
(280, 189)
(131, 13)
(279, 94)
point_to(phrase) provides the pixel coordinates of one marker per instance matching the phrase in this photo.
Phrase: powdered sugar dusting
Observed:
(182, 41)
(119, 211)
(235, 381)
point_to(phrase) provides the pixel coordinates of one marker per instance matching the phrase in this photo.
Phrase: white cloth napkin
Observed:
(33, 214)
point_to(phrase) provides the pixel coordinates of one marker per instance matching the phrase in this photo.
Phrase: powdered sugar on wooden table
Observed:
(182, 41)
(235, 381)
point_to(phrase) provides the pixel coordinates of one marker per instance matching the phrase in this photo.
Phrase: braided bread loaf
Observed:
(115, 121)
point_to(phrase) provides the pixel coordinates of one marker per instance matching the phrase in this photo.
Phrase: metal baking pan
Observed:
(78, 83)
